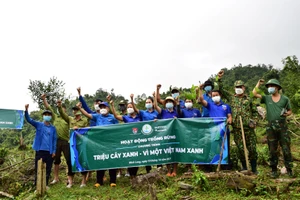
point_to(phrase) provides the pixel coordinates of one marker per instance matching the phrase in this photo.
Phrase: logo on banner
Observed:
(147, 129)
(134, 130)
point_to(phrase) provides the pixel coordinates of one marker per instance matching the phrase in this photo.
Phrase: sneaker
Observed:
(54, 181)
(97, 185)
(126, 175)
(274, 174)
(118, 175)
(82, 185)
(47, 188)
(69, 185)
(113, 185)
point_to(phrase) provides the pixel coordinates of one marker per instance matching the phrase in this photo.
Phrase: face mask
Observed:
(174, 95)
(149, 105)
(188, 105)
(216, 99)
(47, 118)
(130, 110)
(239, 91)
(169, 105)
(96, 106)
(208, 88)
(271, 90)
(103, 111)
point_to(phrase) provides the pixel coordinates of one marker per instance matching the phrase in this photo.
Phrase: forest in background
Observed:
(250, 74)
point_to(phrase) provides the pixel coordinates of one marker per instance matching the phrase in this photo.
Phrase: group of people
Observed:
(52, 135)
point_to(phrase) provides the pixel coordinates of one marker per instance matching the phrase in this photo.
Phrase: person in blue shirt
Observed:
(102, 119)
(175, 94)
(86, 107)
(146, 115)
(132, 116)
(189, 112)
(168, 113)
(218, 109)
(44, 142)
(208, 86)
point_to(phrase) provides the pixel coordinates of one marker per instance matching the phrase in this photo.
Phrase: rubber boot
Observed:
(253, 166)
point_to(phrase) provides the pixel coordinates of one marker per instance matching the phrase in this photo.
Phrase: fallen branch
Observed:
(6, 195)
(10, 166)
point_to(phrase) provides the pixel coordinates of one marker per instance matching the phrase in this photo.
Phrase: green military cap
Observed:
(273, 82)
(238, 83)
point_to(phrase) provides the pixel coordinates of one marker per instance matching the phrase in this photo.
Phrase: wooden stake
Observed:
(41, 178)
(244, 143)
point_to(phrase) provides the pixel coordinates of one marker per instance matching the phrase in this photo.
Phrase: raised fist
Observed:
(131, 96)
(158, 86)
(26, 106)
(79, 91)
(43, 96)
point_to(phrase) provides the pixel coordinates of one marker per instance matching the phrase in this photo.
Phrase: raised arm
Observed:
(156, 107)
(256, 89)
(118, 117)
(133, 105)
(83, 111)
(27, 117)
(62, 113)
(48, 107)
(225, 94)
(159, 100)
(83, 103)
(201, 99)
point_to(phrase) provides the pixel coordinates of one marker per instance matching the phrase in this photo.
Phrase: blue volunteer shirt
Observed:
(45, 138)
(87, 109)
(102, 120)
(166, 114)
(182, 104)
(205, 111)
(129, 119)
(221, 110)
(147, 116)
(190, 113)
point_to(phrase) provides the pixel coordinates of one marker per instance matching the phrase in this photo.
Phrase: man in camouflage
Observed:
(278, 108)
(242, 105)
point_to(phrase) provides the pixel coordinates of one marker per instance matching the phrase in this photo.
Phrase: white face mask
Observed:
(130, 110)
(216, 99)
(96, 106)
(239, 91)
(188, 105)
(103, 111)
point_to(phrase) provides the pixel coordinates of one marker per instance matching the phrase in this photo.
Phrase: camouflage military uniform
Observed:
(244, 107)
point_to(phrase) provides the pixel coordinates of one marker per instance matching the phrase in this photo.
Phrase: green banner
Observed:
(12, 119)
(191, 141)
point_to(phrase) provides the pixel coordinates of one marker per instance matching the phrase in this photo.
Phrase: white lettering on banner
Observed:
(115, 155)
(130, 154)
(101, 157)
(169, 150)
(180, 150)
(160, 128)
(146, 153)
(156, 152)
(195, 150)
(168, 137)
(6, 122)
(126, 141)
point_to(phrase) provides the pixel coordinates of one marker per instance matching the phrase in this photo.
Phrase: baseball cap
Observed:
(47, 111)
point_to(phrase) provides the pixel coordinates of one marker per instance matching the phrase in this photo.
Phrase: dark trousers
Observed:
(47, 158)
(63, 146)
(148, 168)
(133, 171)
(112, 175)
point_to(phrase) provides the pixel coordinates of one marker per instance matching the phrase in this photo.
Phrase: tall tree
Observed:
(54, 90)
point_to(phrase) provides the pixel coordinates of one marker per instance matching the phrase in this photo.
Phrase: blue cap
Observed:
(104, 103)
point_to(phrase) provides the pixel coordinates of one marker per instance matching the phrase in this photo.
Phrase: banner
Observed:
(190, 141)
(12, 119)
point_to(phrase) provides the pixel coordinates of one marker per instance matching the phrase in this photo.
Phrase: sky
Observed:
(132, 46)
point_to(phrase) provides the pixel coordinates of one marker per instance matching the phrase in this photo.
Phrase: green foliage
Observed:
(199, 179)
(54, 90)
(3, 152)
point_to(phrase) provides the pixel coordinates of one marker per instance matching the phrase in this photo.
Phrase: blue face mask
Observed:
(47, 118)
(208, 88)
(174, 95)
(271, 90)
(169, 105)
(149, 105)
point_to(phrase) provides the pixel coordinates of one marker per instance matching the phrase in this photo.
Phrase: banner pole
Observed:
(222, 148)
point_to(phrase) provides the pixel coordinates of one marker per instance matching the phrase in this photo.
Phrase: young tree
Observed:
(54, 90)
